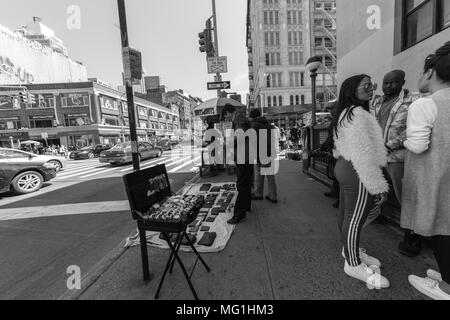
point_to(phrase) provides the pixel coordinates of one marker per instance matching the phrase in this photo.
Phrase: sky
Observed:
(165, 31)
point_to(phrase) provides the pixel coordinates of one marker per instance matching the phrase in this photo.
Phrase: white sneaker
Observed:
(370, 277)
(428, 287)
(434, 275)
(365, 258)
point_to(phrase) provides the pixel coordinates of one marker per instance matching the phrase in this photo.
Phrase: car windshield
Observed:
(86, 149)
(121, 146)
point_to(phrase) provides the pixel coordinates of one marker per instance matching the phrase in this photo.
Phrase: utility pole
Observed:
(218, 77)
(129, 88)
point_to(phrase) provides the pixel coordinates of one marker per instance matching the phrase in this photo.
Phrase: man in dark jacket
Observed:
(244, 171)
(259, 123)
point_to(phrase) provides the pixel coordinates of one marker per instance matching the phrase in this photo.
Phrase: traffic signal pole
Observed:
(129, 88)
(218, 77)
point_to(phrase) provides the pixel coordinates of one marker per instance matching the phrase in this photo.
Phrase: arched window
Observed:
(274, 100)
(303, 99)
(280, 101)
(269, 102)
(292, 100)
(297, 99)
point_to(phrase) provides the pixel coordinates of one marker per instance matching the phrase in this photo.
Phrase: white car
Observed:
(59, 162)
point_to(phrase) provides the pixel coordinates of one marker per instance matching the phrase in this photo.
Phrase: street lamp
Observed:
(312, 65)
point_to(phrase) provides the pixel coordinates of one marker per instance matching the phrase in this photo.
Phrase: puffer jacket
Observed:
(361, 142)
(395, 131)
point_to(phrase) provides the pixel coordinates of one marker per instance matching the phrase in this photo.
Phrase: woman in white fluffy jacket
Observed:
(361, 154)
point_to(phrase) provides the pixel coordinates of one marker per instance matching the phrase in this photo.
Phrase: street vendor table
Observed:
(145, 189)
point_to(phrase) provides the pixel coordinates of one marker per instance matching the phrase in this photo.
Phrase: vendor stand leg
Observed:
(173, 249)
(144, 254)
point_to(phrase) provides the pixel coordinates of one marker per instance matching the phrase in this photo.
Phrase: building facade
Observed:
(34, 54)
(79, 113)
(281, 36)
(377, 36)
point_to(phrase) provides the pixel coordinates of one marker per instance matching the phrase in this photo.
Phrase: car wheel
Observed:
(27, 182)
(57, 164)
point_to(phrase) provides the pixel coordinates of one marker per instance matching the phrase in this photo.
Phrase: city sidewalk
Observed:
(289, 250)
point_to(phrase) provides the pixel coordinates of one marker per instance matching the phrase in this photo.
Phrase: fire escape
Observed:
(329, 52)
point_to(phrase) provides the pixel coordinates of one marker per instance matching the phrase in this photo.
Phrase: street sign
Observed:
(44, 135)
(219, 85)
(132, 64)
(217, 65)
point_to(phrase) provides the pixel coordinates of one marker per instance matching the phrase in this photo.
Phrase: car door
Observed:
(149, 148)
(153, 150)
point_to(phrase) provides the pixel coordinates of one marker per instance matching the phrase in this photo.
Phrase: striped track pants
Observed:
(356, 204)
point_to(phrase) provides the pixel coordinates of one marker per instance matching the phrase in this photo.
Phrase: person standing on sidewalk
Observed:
(244, 170)
(426, 184)
(361, 154)
(258, 123)
(391, 111)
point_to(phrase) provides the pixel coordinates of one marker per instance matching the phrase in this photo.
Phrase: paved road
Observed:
(76, 219)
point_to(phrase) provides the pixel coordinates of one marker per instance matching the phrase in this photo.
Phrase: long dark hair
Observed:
(347, 99)
(440, 62)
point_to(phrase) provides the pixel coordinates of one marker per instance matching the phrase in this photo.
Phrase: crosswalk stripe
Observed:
(78, 174)
(184, 165)
(194, 169)
(154, 163)
(68, 172)
(172, 163)
(76, 168)
(144, 164)
(94, 174)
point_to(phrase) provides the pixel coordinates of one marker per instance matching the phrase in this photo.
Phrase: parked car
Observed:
(59, 162)
(89, 152)
(24, 175)
(121, 153)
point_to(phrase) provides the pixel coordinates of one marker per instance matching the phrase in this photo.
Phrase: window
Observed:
(112, 121)
(267, 59)
(289, 38)
(419, 21)
(37, 122)
(10, 123)
(268, 81)
(445, 19)
(280, 101)
(292, 100)
(297, 99)
(303, 99)
(328, 62)
(277, 38)
(266, 38)
(270, 17)
(318, 42)
(295, 58)
(277, 19)
(272, 38)
(302, 79)
(266, 19)
(76, 120)
(269, 102)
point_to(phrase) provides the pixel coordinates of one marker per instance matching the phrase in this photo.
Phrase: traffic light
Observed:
(23, 97)
(31, 98)
(206, 41)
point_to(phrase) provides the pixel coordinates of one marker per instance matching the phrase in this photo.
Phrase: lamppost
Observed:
(312, 65)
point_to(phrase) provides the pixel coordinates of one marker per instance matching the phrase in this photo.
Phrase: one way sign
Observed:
(219, 85)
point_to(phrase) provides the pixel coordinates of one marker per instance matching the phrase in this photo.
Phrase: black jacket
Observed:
(262, 123)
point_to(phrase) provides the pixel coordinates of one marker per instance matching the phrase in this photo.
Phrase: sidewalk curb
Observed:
(96, 272)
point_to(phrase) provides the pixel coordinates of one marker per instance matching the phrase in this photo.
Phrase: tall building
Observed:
(33, 54)
(377, 36)
(281, 36)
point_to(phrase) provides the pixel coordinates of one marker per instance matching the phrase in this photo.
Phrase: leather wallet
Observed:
(208, 239)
